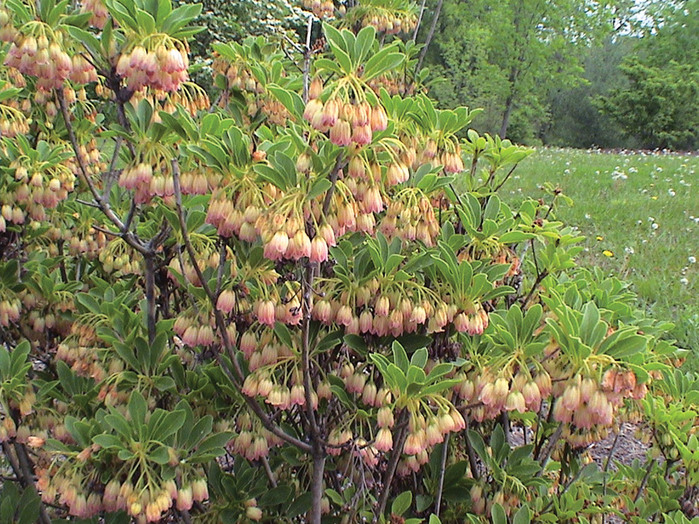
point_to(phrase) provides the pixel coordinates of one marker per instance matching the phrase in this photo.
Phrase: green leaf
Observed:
(365, 40)
(108, 441)
(400, 358)
(118, 423)
(169, 425)
(335, 38)
(274, 497)
(419, 358)
(522, 516)
(215, 443)
(382, 62)
(335, 497)
(357, 343)
(283, 334)
(402, 503)
(318, 187)
(137, 408)
(498, 515)
(478, 444)
(159, 455)
(289, 99)
(300, 506)
(338, 46)
(29, 506)
(438, 387)
(271, 175)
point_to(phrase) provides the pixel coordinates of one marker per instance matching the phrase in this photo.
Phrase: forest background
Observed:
(568, 73)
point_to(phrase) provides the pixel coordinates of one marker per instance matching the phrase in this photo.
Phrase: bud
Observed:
(200, 490)
(330, 113)
(384, 417)
(184, 499)
(265, 312)
(341, 133)
(379, 120)
(571, 398)
(226, 301)
(515, 402)
(303, 163)
(316, 88)
(384, 440)
(253, 513)
(313, 107)
(361, 135)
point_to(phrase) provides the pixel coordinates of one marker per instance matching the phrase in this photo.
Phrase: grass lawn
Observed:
(640, 215)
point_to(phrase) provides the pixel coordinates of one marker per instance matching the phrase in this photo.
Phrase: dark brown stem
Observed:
(644, 480)
(23, 470)
(318, 449)
(150, 296)
(110, 177)
(398, 444)
(546, 451)
(268, 471)
(128, 237)
(339, 164)
(307, 59)
(442, 471)
(507, 176)
(317, 482)
(539, 278)
(472, 462)
(474, 163)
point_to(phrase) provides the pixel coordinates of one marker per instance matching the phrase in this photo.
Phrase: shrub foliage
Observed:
(269, 303)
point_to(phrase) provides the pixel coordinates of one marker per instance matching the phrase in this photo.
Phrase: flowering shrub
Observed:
(275, 304)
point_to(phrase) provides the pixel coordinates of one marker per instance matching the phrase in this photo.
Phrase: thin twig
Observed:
(110, 176)
(472, 462)
(307, 59)
(644, 480)
(538, 281)
(419, 21)
(86, 203)
(130, 239)
(546, 451)
(398, 444)
(507, 176)
(339, 164)
(442, 471)
(423, 51)
(269, 473)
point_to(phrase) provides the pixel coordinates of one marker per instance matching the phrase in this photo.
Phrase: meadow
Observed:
(639, 212)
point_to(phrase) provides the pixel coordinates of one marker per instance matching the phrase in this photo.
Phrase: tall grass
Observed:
(640, 215)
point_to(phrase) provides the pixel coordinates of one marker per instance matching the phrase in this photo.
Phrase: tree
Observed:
(576, 120)
(509, 55)
(276, 306)
(659, 105)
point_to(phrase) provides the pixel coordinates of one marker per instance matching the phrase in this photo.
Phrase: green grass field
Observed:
(640, 215)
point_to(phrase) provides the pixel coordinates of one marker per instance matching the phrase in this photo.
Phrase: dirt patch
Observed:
(627, 448)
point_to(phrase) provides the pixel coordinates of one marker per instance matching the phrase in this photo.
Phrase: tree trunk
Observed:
(437, 12)
(509, 103)
(317, 484)
(506, 116)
